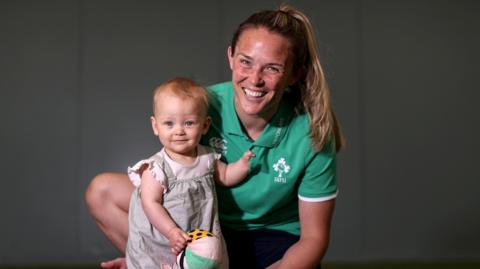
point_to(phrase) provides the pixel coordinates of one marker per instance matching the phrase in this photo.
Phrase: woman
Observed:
(278, 106)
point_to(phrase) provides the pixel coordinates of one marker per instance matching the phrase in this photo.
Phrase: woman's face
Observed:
(261, 71)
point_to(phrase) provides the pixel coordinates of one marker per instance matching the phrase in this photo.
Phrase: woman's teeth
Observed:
(253, 93)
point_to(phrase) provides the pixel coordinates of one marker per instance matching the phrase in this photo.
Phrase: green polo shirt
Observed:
(284, 169)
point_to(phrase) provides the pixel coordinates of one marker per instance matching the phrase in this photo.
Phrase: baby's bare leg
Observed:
(108, 198)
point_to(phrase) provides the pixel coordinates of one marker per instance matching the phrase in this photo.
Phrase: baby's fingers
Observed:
(179, 245)
(248, 154)
(186, 237)
(176, 251)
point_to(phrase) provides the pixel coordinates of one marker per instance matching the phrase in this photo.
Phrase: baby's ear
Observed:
(206, 124)
(153, 121)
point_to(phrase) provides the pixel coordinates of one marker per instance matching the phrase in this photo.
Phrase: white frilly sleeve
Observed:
(155, 169)
(213, 157)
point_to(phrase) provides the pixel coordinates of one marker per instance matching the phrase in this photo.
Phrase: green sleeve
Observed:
(319, 181)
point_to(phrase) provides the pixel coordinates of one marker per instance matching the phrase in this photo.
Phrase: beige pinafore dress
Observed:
(191, 203)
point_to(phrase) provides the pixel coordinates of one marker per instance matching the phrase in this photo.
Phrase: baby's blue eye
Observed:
(189, 123)
(168, 123)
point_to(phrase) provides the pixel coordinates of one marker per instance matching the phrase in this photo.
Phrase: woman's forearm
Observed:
(306, 253)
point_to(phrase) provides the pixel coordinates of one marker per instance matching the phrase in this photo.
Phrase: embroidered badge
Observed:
(281, 167)
(218, 144)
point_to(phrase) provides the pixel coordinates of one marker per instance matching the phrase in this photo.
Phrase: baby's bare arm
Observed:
(152, 199)
(234, 173)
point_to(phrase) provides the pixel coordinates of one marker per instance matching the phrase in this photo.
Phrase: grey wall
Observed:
(75, 84)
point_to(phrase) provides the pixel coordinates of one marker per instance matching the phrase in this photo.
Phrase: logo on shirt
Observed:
(218, 144)
(281, 167)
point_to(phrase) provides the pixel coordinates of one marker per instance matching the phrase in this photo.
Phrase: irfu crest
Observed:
(281, 167)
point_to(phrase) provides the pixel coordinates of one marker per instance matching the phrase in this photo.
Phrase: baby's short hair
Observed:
(183, 88)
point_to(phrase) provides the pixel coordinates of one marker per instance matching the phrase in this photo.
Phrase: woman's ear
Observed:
(153, 121)
(230, 56)
(298, 75)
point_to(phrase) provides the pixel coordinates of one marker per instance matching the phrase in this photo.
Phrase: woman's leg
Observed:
(256, 248)
(107, 198)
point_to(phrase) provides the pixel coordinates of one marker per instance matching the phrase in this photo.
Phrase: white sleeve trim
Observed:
(319, 199)
(157, 172)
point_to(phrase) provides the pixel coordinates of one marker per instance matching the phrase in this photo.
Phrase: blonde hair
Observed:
(311, 92)
(183, 88)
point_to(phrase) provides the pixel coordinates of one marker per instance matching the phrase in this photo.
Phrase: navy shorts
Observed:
(257, 248)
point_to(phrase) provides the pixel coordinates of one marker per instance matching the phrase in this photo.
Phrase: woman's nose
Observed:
(256, 76)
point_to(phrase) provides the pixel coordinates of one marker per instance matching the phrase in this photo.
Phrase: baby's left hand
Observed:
(178, 240)
(246, 157)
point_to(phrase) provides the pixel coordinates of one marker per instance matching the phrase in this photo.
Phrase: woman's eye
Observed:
(273, 69)
(245, 62)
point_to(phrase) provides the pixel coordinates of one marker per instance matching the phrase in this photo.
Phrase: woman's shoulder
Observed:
(220, 96)
(299, 130)
(300, 122)
(220, 87)
(220, 91)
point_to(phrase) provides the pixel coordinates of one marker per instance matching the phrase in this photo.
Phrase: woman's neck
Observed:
(252, 125)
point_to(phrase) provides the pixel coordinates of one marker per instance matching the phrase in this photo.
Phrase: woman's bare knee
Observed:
(107, 189)
(97, 192)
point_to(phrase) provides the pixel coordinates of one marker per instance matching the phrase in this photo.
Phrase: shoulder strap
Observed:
(163, 165)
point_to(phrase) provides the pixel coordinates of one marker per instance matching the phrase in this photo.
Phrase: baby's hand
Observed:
(178, 240)
(245, 159)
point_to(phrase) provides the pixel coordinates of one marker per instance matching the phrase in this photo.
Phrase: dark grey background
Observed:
(75, 84)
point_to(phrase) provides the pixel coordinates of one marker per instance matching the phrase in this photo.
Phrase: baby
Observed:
(175, 188)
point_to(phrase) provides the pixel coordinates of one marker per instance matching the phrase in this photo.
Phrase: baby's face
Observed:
(179, 123)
